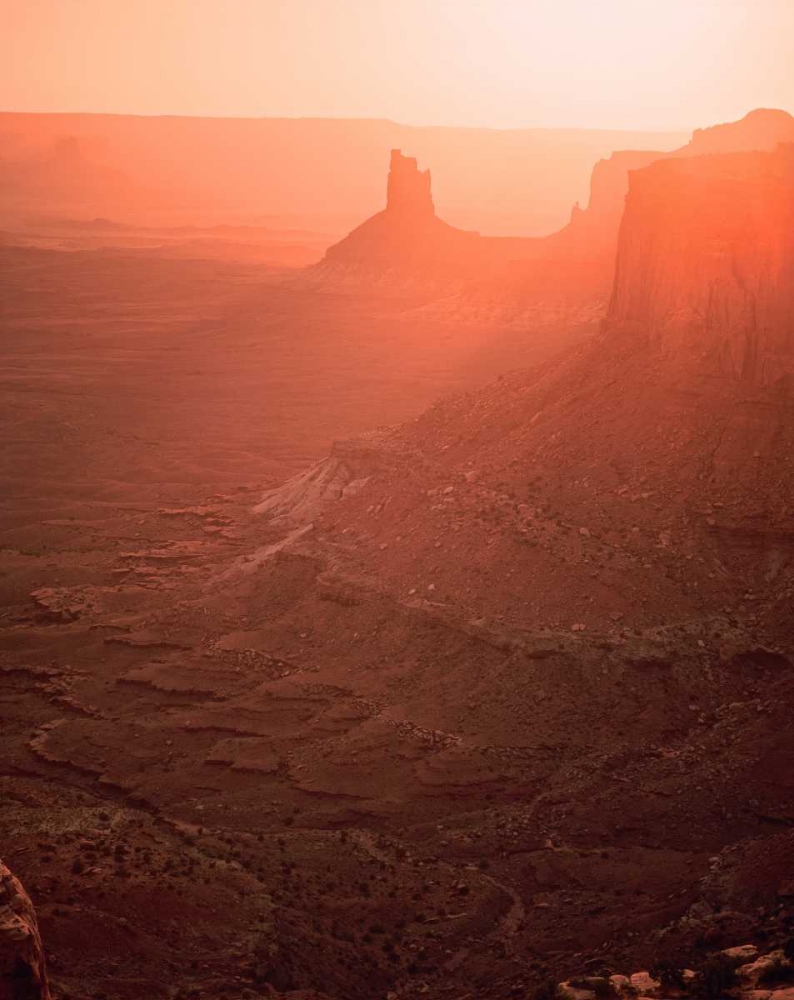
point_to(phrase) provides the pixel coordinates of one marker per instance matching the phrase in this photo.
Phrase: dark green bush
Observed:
(716, 977)
(778, 971)
(669, 975)
(548, 990)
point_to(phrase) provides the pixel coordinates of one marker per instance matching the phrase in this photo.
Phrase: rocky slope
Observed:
(655, 460)
(23, 972)
(560, 606)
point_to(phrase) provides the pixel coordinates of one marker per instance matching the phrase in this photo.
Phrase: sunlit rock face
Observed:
(407, 239)
(408, 188)
(23, 973)
(597, 225)
(762, 129)
(705, 267)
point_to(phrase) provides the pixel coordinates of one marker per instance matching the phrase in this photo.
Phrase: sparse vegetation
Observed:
(669, 975)
(548, 990)
(779, 970)
(716, 977)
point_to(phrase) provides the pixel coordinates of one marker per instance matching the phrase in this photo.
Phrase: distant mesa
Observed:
(316, 174)
(408, 238)
(598, 224)
(762, 129)
(70, 172)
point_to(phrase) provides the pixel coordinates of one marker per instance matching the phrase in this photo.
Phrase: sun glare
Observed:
(499, 63)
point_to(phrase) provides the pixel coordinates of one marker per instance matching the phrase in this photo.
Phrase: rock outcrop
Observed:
(612, 534)
(762, 129)
(408, 241)
(342, 474)
(407, 244)
(597, 224)
(667, 437)
(23, 974)
(705, 266)
(408, 188)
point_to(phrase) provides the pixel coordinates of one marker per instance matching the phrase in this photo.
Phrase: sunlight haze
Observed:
(497, 63)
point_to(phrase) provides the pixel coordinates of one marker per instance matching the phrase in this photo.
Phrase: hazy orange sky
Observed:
(503, 63)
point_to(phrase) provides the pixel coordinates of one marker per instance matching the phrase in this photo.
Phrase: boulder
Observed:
(22, 965)
(751, 972)
(742, 952)
(644, 983)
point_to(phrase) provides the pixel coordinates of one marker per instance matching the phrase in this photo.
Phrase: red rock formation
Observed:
(408, 187)
(668, 437)
(409, 238)
(761, 129)
(705, 267)
(23, 974)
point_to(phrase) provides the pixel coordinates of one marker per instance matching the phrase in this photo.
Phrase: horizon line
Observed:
(363, 118)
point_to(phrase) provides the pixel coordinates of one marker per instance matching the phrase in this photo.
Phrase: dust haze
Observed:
(397, 577)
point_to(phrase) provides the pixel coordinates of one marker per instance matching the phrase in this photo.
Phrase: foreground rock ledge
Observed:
(23, 974)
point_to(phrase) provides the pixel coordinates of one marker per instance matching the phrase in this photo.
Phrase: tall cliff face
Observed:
(763, 130)
(705, 267)
(610, 178)
(408, 188)
(408, 241)
(666, 441)
(23, 974)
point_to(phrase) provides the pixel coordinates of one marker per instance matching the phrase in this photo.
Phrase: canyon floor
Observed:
(148, 397)
(237, 759)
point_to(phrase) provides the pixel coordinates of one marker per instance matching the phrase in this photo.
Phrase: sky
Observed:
(634, 64)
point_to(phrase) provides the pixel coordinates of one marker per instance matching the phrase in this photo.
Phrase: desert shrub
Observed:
(779, 970)
(716, 977)
(669, 975)
(600, 985)
(547, 990)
